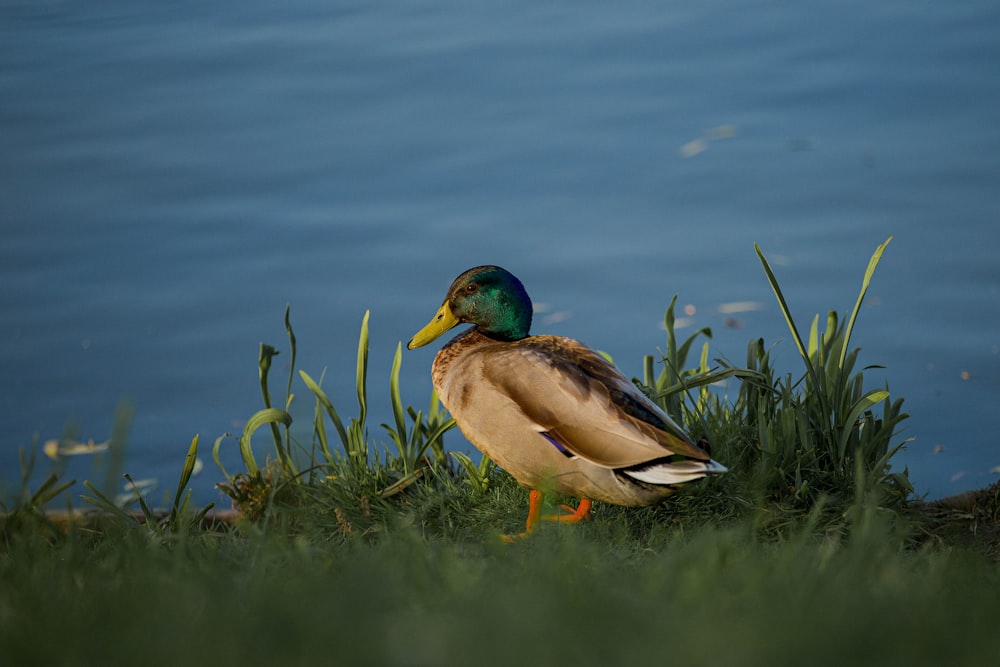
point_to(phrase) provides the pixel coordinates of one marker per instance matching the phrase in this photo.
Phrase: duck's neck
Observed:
(509, 320)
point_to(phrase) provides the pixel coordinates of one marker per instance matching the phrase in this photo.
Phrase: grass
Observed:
(386, 551)
(591, 597)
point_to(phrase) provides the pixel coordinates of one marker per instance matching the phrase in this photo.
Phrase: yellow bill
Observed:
(443, 320)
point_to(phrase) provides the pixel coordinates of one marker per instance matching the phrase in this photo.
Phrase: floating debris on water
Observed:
(132, 490)
(692, 148)
(721, 132)
(679, 323)
(700, 145)
(60, 447)
(557, 317)
(740, 307)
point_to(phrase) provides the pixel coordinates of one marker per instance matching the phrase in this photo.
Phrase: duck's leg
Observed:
(534, 516)
(534, 511)
(580, 513)
(574, 514)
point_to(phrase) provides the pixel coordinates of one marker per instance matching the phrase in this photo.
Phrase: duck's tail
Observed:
(665, 472)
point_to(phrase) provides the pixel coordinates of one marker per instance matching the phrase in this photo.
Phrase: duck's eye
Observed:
(471, 288)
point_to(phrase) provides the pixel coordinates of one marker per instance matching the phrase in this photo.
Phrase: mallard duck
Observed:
(549, 410)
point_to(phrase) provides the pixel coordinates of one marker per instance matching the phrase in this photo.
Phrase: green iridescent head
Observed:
(489, 297)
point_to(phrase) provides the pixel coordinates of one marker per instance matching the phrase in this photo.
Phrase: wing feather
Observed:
(584, 403)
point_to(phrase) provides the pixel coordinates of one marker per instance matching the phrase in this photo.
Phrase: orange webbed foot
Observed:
(573, 515)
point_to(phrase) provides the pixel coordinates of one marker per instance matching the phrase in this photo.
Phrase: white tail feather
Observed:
(676, 473)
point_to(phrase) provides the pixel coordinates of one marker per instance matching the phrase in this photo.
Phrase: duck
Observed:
(550, 411)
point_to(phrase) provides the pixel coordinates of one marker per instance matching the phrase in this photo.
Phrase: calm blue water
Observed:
(172, 174)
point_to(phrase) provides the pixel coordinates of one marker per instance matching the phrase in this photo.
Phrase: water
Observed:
(172, 176)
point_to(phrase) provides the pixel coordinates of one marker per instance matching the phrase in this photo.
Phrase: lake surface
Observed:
(173, 174)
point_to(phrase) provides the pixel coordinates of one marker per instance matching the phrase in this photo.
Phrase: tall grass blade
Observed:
(292, 347)
(268, 352)
(869, 272)
(327, 405)
(398, 412)
(477, 475)
(186, 472)
(863, 404)
(319, 430)
(363, 369)
(814, 337)
(102, 502)
(403, 482)
(668, 322)
(703, 380)
(782, 303)
(215, 455)
(48, 490)
(146, 510)
(811, 369)
(270, 416)
(441, 429)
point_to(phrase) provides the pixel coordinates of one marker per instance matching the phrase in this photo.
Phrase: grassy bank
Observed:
(707, 596)
(379, 546)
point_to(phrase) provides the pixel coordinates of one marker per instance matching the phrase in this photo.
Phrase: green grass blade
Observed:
(671, 356)
(783, 304)
(292, 346)
(198, 518)
(146, 511)
(415, 437)
(270, 416)
(810, 367)
(181, 509)
(186, 472)
(215, 455)
(319, 429)
(477, 475)
(48, 490)
(268, 352)
(648, 376)
(869, 273)
(327, 405)
(362, 374)
(814, 336)
(440, 430)
(685, 349)
(832, 331)
(696, 381)
(104, 503)
(860, 407)
(394, 436)
(266, 416)
(400, 485)
(397, 402)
